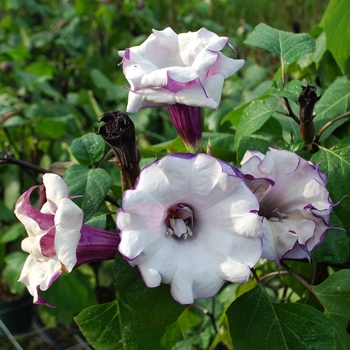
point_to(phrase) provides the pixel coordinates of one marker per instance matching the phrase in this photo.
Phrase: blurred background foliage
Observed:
(59, 72)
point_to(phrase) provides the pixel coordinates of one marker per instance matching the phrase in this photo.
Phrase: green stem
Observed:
(303, 282)
(260, 283)
(327, 125)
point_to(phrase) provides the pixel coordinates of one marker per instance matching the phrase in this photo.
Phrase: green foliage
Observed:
(335, 24)
(91, 184)
(289, 47)
(153, 306)
(59, 73)
(335, 294)
(277, 326)
(113, 326)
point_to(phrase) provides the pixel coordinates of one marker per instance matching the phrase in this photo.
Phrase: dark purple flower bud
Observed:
(119, 133)
(307, 100)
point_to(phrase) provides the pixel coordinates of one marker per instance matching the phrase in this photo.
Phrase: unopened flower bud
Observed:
(119, 133)
(307, 100)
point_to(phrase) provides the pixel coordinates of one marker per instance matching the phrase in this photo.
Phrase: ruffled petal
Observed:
(206, 231)
(39, 275)
(68, 220)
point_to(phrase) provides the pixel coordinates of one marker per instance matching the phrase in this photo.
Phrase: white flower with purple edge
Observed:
(296, 207)
(167, 68)
(183, 72)
(190, 222)
(57, 239)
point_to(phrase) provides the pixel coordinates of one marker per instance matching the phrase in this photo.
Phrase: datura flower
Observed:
(190, 222)
(183, 72)
(296, 206)
(57, 238)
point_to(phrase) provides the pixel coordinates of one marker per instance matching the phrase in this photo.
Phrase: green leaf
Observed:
(253, 118)
(14, 264)
(15, 231)
(335, 294)
(7, 109)
(113, 326)
(88, 149)
(334, 102)
(335, 22)
(71, 294)
(336, 164)
(113, 91)
(91, 184)
(256, 323)
(51, 128)
(288, 46)
(251, 143)
(291, 91)
(154, 306)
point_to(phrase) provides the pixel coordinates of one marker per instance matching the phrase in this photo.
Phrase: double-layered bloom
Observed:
(57, 238)
(184, 72)
(190, 222)
(296, 206)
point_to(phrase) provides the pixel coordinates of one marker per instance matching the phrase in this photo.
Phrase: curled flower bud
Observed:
(307, 100)
(119, 133)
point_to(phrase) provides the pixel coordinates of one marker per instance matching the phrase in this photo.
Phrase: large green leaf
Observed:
(253, 118)
(113, 326)
(335, 294)
(71, 293)
(257, 323)
(153, 306)
(88, 149)
(335, 22)
(334, 102)
(91, 184)
(288, 46)
(336, 164)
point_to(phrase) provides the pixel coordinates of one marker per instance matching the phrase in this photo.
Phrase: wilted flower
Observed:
(57, 238)
(296, 208)
(190, 222)
(185, 72)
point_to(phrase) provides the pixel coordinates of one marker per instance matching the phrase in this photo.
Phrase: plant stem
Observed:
(290, 111)
(6, 158)
(327, 125)
(303, 282)
(260, 283)
(207, 312)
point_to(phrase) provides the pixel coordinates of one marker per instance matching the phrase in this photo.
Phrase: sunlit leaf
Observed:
(335, 22)
(91, 184)
(257, 323)
(253, 118)
(288, 46)
(88, 149)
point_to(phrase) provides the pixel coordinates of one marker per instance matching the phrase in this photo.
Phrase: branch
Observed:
(303, 282)
(6, 158)
(290, 111)
(327, 125)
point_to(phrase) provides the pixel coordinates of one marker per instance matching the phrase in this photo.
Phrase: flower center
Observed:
(274, 215)
(178, 221)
